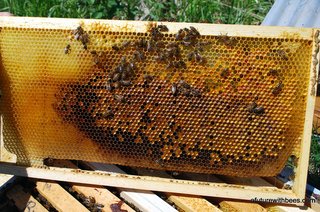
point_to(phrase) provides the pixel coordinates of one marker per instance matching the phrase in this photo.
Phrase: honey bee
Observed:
(183, 84)
(277, 90)
(170, 65)
(180, 34)
(160, 44)
(126, 82)
(195, 92)
(273, 72)
(125, 44)
(251, 107)
(202, 44)
(163, 28)
(67, 49)
(156, 34)
(259, 110)
(116, 85)
(198, 57)
(185, 92)
(148, 77)
(150, 46)
(125, 75)
(172, 45)
(115, 47)
(141, 44)
(282, 54)
(78, 32)
(186, 44)
(84, 38)
(123, 60)
(194, 31)
(225, 73)
(48, 161)
(120, 98)
(116, 77)
(161, 57)
(108, 114)
(108, 86)
(181, 64)
(139, 56)
(226, 40)
(173, 51)
(174, 89)
(160, 162)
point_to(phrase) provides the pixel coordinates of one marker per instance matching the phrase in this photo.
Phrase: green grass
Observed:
(212, 11)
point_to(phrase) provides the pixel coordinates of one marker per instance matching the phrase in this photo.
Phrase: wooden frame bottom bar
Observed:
(150, 183)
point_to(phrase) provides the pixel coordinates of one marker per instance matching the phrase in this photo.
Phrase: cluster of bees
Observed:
(124, 73)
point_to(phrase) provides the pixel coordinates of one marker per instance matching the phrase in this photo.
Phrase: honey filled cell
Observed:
(179, 101)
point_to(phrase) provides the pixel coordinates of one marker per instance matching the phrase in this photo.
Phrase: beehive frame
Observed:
(178, 185)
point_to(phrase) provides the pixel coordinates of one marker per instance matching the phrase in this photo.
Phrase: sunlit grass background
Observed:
(212, 11)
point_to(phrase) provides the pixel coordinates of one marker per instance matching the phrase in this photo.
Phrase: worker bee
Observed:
(120, 98)
(194, 31)
(160, 44)
(226, 40)
(123, 60)
(225, 73)
(117, 85)
(108, 114)
(161, 57)
(183, 84)
(251, 107)
(139, 56)
(156, 34)
(172, 45)
(160, 162)
(48, 161)
(259, 110)
(141, 44)
(174, 89)
(186, 43)
(78, 32)
(108, 86)
(163, 28)
(116, 77)
(84, 38)
(180, 34)
(148, 78)
(198, 57)
(277, 90)
(173, 51)
(125, 44)
(181, 64)
(126, 82)
(195, 92)
(150, 46)
(115, 47)
(170, 65)
(186, 92)
(282, 54)
(67, 49)
(273, 72)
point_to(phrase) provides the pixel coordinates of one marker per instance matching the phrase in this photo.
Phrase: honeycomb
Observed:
(155, 95)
